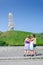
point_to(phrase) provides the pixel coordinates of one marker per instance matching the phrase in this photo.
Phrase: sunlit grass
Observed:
(16, 38)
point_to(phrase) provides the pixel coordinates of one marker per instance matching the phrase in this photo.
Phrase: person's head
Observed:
(34, 35)
(28, 36)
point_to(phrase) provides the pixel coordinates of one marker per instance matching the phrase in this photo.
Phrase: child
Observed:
(27, 45)
(34, 43)
(31, 47)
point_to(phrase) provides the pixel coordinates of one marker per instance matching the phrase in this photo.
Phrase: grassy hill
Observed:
(14, 38)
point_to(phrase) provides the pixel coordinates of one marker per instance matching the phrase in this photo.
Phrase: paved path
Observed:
(14, 56)
(21, 62)
(15, 51)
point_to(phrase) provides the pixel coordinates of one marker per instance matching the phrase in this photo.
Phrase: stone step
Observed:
(21, 58)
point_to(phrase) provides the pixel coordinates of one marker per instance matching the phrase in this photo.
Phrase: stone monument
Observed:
(10, 21)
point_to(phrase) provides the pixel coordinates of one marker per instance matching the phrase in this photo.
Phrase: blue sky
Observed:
(27, 15)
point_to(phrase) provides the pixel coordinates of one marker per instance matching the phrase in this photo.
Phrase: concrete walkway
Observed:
(21, 62)
(14, 56)
(17, 52)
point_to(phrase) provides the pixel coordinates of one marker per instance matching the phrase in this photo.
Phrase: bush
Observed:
(2, 43)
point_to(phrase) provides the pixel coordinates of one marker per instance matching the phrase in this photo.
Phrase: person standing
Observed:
(26, 45)
(34, 43)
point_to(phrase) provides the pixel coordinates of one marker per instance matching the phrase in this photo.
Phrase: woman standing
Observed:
(26, 45)
(34, 43)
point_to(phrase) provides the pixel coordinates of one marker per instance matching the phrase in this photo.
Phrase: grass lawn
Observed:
(16, 38)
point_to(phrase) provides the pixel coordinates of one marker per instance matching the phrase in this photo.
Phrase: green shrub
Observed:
(2, 43)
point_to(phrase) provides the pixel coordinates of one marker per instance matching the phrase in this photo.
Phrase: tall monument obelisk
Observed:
(10, 21)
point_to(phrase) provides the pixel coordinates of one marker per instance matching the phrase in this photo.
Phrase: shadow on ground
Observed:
(39, 54)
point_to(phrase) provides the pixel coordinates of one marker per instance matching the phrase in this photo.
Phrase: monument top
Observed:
(10, 14)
